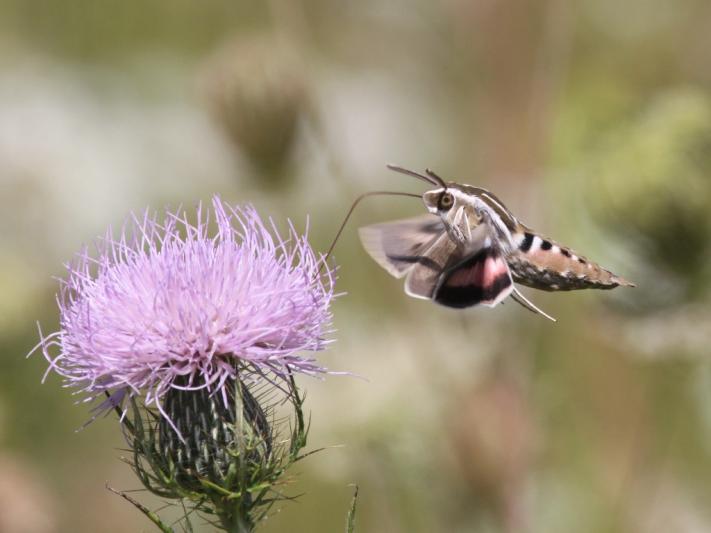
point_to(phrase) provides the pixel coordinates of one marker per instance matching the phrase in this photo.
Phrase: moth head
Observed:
(439, 201)
(447, 199)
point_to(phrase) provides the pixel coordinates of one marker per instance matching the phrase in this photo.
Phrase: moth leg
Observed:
(501, 237)
(465, 225)
(459, 229)
(525, 302)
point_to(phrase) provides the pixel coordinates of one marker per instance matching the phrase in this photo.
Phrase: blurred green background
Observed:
(591, 120)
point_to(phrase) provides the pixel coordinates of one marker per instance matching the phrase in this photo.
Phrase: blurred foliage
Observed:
(257, 94)
(590, 120)
(653, 186)
(111, 30)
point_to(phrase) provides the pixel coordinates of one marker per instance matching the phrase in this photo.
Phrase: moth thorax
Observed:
(214, 437)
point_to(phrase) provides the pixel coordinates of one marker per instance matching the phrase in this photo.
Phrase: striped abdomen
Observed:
(543, 264)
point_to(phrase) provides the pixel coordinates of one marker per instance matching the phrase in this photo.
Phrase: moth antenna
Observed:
(431, 174)
(350, 212)
(432, 180)
(525, 302)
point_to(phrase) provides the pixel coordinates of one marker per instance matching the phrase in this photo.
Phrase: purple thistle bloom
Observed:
(168, 305)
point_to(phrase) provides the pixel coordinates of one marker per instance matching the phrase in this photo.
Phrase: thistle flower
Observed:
(168, 305)
(194, 336)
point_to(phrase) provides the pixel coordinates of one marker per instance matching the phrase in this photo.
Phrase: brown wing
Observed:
(422, 279)
(397, 246)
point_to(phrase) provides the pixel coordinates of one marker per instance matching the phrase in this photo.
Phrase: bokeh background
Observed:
(591, 120)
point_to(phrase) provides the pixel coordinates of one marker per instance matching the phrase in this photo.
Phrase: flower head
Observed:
(172, 305)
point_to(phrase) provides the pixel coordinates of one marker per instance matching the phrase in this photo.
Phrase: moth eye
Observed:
(446, 200)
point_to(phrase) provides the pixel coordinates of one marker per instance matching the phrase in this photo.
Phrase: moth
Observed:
(469, 249)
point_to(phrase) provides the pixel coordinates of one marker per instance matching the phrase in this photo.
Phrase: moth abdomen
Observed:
(543, 264)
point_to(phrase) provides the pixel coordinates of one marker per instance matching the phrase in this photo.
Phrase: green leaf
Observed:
(350, 519)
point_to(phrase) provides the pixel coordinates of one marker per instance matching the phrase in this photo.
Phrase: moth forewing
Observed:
(422, 279)
(396, 246)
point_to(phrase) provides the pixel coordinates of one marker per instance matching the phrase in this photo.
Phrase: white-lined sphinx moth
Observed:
(469, 249)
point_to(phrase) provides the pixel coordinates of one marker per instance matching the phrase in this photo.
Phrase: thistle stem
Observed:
(236, 523)
(235, 516)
